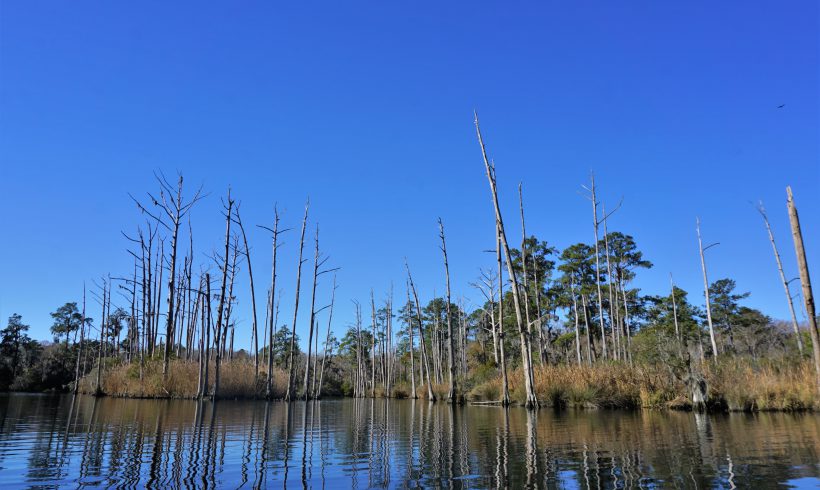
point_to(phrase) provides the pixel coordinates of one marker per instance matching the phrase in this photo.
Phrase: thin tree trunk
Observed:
(312, 314)
(289, 393)
(577, 322)
(782, 278)
(598, 270)
(505, 388)
(452, 395)
(529, 382)
(706, 291)
(255, 331)
(271, 316)
(327, 338)
(805, 281)
(221, 307)
(426, 366)
(80, 349)
(414, 395)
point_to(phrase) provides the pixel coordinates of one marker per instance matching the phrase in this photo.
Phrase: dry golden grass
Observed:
(734, 384)
(236, 380)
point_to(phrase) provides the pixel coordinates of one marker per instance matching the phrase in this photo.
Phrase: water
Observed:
(57, 441)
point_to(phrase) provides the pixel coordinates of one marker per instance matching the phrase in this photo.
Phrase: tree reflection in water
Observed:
(364, 443)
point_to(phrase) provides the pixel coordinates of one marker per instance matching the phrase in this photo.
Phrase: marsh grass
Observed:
(237, 380)
(734, 384)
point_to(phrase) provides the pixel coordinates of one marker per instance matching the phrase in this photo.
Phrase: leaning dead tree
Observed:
(762, 212)
(247, 252)
(452, 396)
(706, 289)
(526, 354)
(425, 364)
(805, 280)
(173, 209)
(289, 393)
(318, 262)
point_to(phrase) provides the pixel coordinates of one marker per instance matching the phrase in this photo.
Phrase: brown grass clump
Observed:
(236, 380)
(762, 386)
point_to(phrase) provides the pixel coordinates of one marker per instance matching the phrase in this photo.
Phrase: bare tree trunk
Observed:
(577, 321)
(505, 388)
(255, 331)
(289, 393)
(782, 278)
(103, 320)
(529, 382)
(373, 346)
(312, 314)
(524, 274)
(616, 347)
(426, 366)
(595, 223)
(452, 395)
(327, 338)
(221, 307)
(805, 280)
(413, 395)
(80, 349)
(271, 316)
(706, 290)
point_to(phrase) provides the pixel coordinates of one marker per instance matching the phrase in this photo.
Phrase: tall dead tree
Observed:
(318, 261)
(526, 355)
(762, 212)
(426, 365)
(524, 274)
(805, 280)
(706, 289)
(412, 348)
(254, 332)
(222, 293)
(80, 349)
(270, 314)
(172, 205)
(289, 393)
(452, 395)
(595, 224)
(505, 388)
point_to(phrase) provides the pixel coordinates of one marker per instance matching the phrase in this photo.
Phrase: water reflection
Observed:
(53, 441)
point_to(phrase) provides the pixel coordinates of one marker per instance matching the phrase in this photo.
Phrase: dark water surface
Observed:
(57, 441)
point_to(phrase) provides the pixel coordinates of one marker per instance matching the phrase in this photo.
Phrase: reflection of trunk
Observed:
(805, 281)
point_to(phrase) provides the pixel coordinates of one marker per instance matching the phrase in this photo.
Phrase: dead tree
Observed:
(222, 293)
(430, 395)
(327, 352)
(526, 357)
(762, 212)
(270, 314)
(172, 205)
(413, 394)
(577, 320)
(452, 395)
(80, 350)
(805, 280)
(595, 224)
(289, 393)
(373, 346)
(318, 262)
(254, 332)
(706, 289)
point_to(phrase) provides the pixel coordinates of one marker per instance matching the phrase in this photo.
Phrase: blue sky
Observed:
(367, 109)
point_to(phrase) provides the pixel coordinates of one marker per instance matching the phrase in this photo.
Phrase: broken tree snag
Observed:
(805, 281)
(706, 289)
(452, 396)
(221, 307)
(270, 314)
(526, 355)
(289, 393)
(762, 212)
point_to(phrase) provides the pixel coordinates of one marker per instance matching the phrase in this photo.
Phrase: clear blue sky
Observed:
(367, 109)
